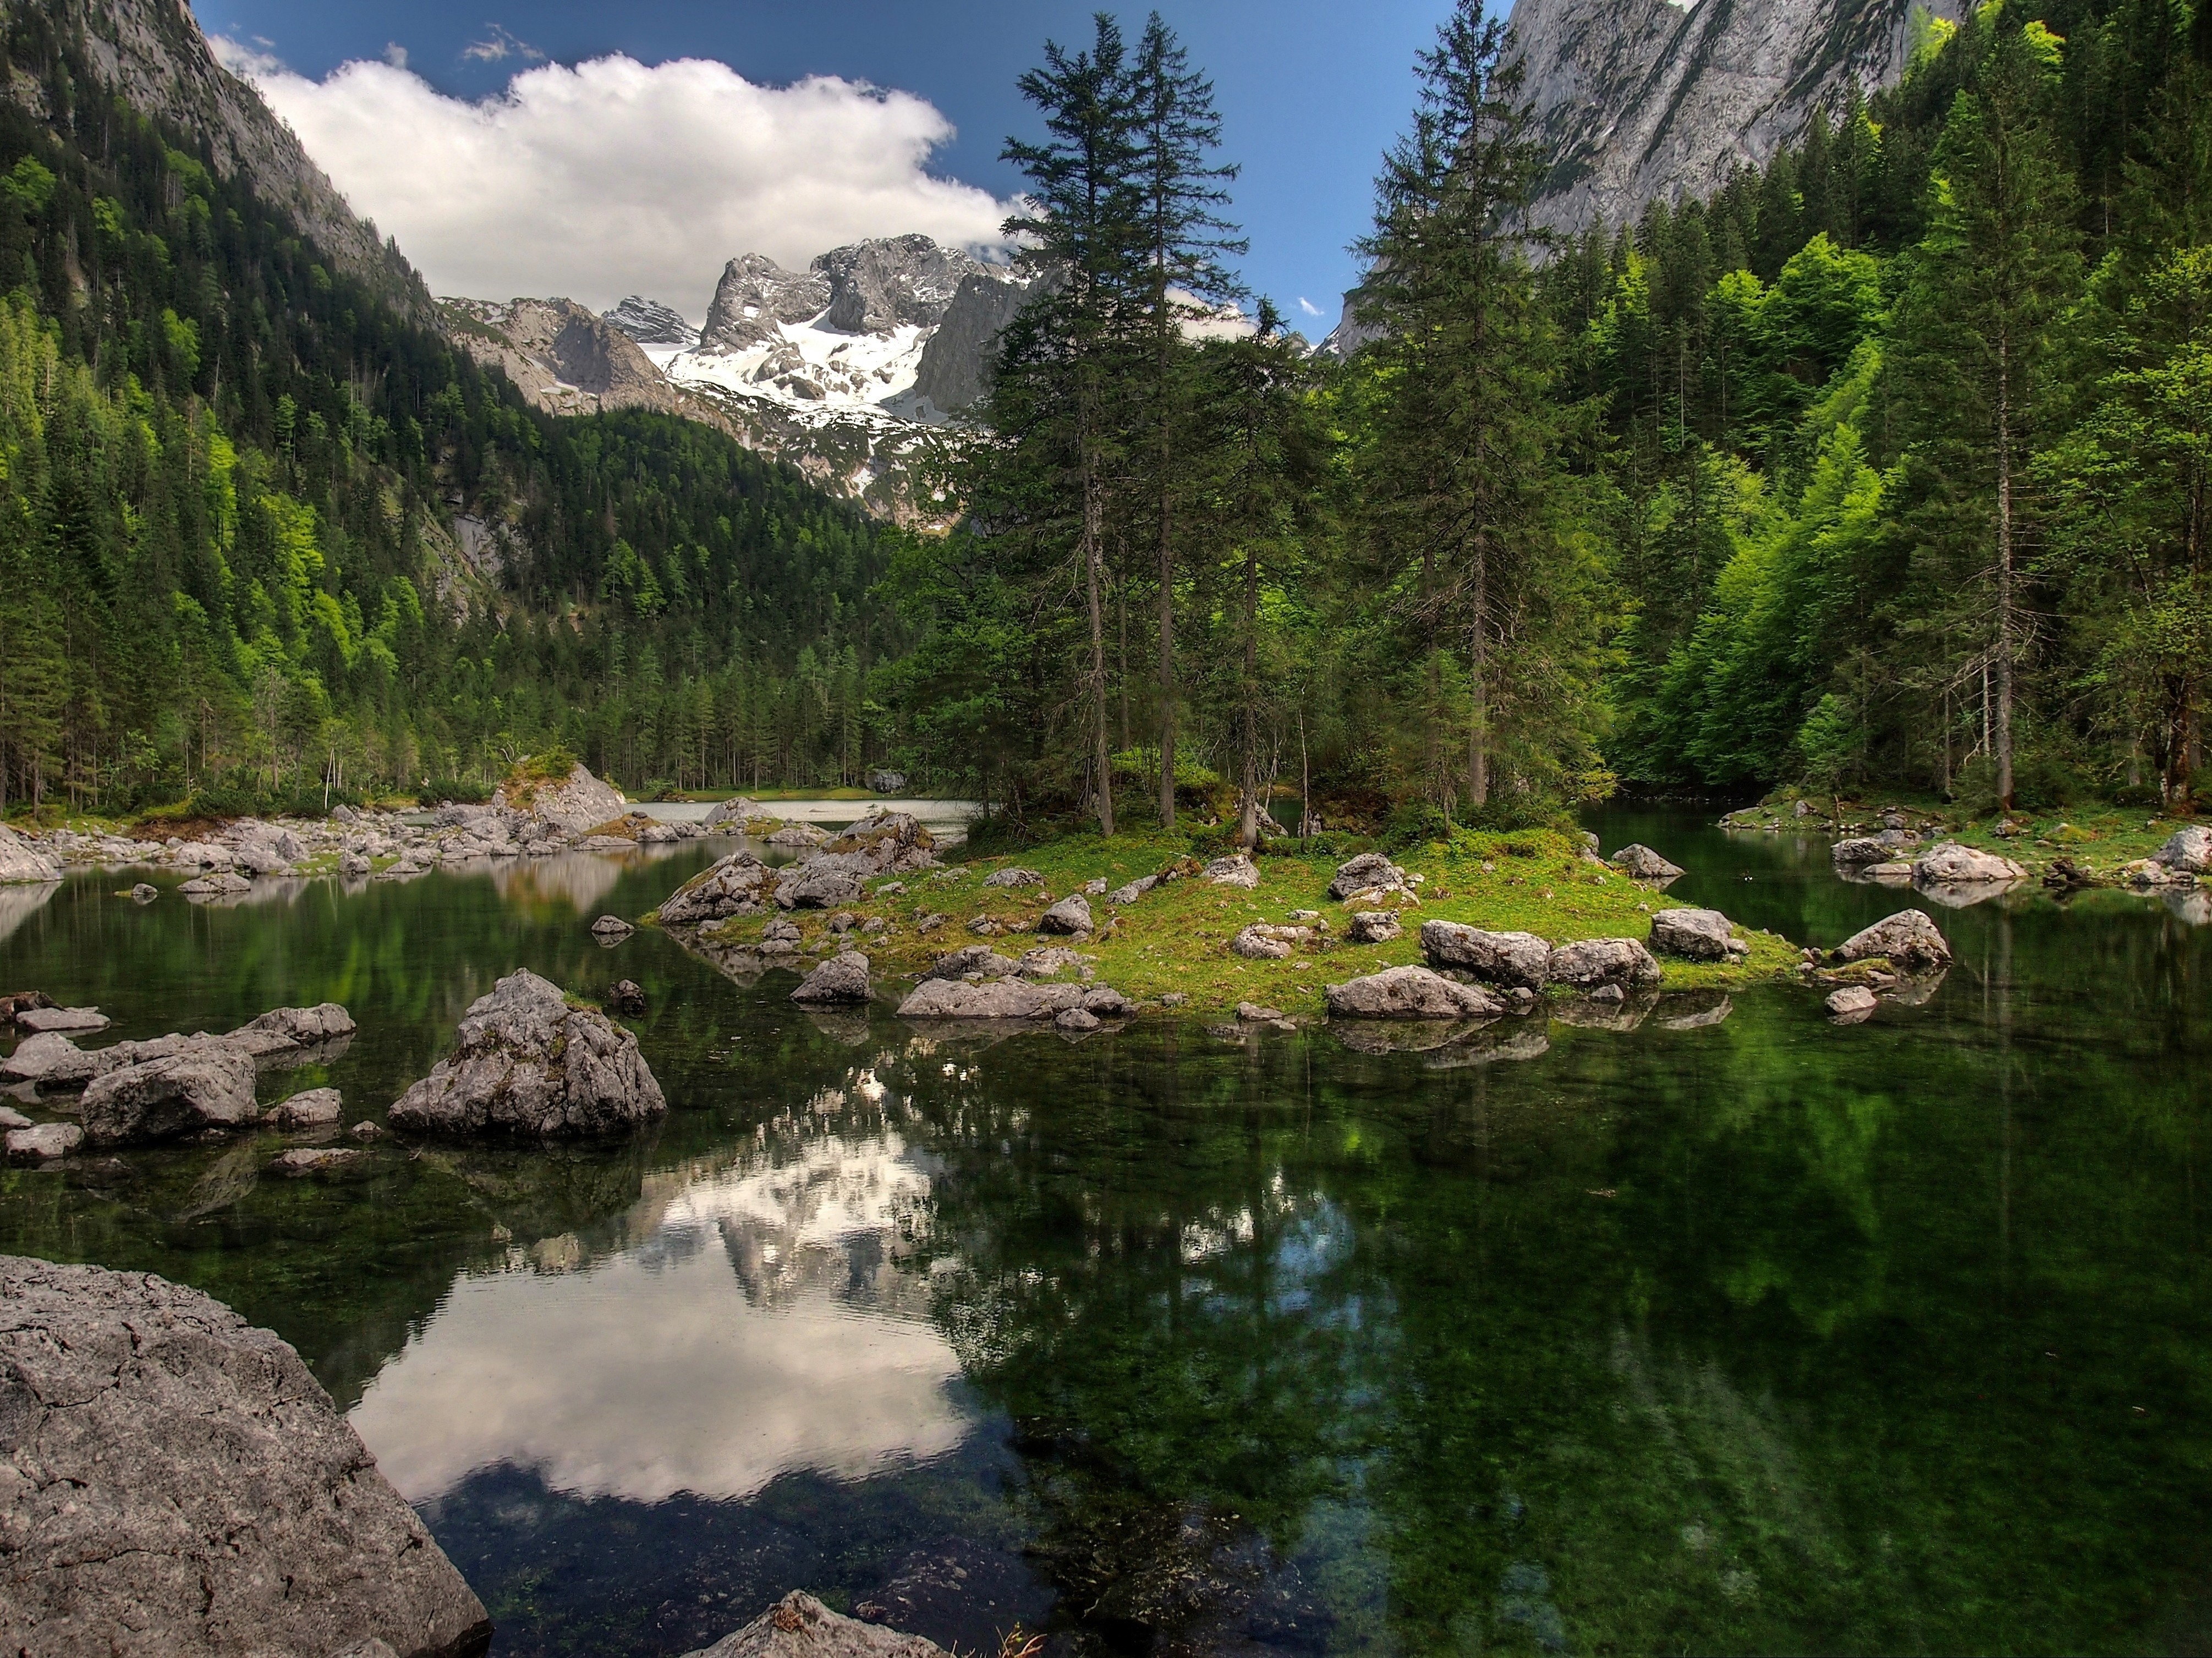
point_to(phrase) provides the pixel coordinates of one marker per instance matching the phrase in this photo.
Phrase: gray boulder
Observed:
(1640, 863)
(62, 1020)
(2189, 849)
(892, 843)
(801, 1626)
(740, 884)
(1071, 915)
(1408, 993)
(1496, 959)
(223, 883)
(1851, 1004)
(42, 1143)
(843, 979)
(1949, 862)
(179, 1482)
(1375, 926)
(1014, 876)
(612, 929)
(1851, 854)
(570, 804)
(1590, 963)
(1048, 960)
(1077, 1019)
(144, 893)
(1261, 942)
(973, 958)
(22, 861)
(1908, 939)
(288, 1030)
(1123, 895)
(1236, 871)
(317, 1108)
(525, 1062)
(1697, 935)
(825, 882)
(1370, 872)
(732, 814)
(209, 1084)
(1007, 999)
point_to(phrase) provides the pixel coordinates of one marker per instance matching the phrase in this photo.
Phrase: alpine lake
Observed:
(1737, 1331)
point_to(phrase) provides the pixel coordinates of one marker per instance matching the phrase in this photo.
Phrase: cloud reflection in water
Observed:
(673, 1365)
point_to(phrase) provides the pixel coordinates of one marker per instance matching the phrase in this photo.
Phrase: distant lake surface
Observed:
(1733, 1331)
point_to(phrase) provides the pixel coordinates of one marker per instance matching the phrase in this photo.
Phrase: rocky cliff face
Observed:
(755, 295)
(953, 369)
(561, 356)
(651, 322)
(153, 53)
(1641, 100)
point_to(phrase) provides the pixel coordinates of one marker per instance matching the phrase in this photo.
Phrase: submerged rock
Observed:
(1590, 963)
(40, 1020)
(180, 1483)
(1697, 935)
(144, 893)
(315, 1107)
(1851, 1004)
(1909, 940)
(315, 1160)
(627, 998)
(525, 1062)
(1408, 993)
(1496, 959)
(801, 1626)
(841, 979)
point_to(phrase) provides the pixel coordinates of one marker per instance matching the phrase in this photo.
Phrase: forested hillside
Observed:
(228, 562)
(1892, 465)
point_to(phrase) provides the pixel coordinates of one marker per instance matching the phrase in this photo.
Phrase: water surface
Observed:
(1724, 1333)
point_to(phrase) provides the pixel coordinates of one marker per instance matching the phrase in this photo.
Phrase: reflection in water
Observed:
(757, 1323)
(19, 901)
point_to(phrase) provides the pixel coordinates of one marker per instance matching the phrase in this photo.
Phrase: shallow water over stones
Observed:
(1686, 1322)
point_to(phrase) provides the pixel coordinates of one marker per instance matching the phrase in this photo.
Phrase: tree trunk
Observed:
(1101, 755)
(2004, 653)
(1167, 605)
(1247, 828)
(1478, 736)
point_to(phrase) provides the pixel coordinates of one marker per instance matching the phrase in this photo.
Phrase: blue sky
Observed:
(1311, 93)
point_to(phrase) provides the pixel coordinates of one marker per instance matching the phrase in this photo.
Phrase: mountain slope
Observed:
(1643, 100)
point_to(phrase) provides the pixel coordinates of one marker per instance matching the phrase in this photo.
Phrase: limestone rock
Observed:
(62, 1020)
(1236, 871)
(572, 804)
(1590, 963)
(731, 814)
(2189, 849)
(612, 929)
(288, 1029)
(221, 883)
(37, 1058)
(824, 882)
(41, 1144)
(1408, 993)
(801, 1626)
(891, 842)
(144, 893)
(1640, 863)
(315, 1160)
(1014, 876)
(1076, 1019)
(1262, 943)
(561, 356)
(972, 958)
(1072, 915)
(740, 884)
(627, 998)
(1375, 926)
(1497, 958)
(1697, 935)
(841, 979)
(525, 1062)
(1006, 998)
(209, 1084)
(25, 860)
(1047, 960)
(1123, 896)
(798, 837)
(316, 1107)
(1949, 862)
(1908, 939)
(1853, 855)
(180, 1483)
(956, 364)
(1852, 1002)
(1370, 871)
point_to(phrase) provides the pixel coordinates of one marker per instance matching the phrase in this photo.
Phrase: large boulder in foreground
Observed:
(1594, 964)
(801, 1626)
(526, 1062)
(2189, 849)
(176, 1481)
(573, 804)
(24, 860)
(1697, 935)
(1908, 939)
(1408, 993)
(1510, 959)
(1950, 862)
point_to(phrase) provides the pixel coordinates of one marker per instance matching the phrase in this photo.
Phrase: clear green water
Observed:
(1759, 1335)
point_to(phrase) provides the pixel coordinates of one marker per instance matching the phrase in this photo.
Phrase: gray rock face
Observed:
(841, 979)
(896, 282)
(20, 860)
(1641, 100)
(825, 881)
(1589, 963)
(801, 1626)
(1909, 940)
(1375, 926)
(1641, 863)
(1370, 872)
(1697, 935)
(562, 356)
(1949, 862)
(651, 322)
(525, 1062)
(1507, 959)
(756, 294)
(179, 1482)
(740, 884)
(2188, 849)
(208, 1085)
(1408, 993)
(1072, 915)
(955, 370)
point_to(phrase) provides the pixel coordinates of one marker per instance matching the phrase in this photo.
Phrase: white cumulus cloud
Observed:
(610, 177)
